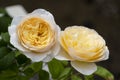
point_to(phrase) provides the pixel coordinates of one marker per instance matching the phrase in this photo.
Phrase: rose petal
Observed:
(85, 68)
(54, 51)
(45, 15)
(73, 53)
(105, 55)
(12, 29)
(14, 41)
(36, 57)
(16, 20)
(63, 55)
(14, 24)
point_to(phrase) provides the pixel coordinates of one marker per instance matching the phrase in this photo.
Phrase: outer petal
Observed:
(36, 57)
(63, 55)
(54, 51)
(72, 53)
(14, 41)
(14, 24)
(17, 20)
(12, 29)
(105, 56)
(84, 67)
(45, 15)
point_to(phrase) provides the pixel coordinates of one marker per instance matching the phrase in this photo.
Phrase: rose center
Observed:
(35, 33)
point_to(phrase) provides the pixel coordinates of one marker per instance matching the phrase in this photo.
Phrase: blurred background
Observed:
(101, 15)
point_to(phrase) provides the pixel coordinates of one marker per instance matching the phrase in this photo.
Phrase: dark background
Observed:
(102, 15)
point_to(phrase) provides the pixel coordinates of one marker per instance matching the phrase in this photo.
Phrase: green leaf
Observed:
(7, 73)
(2, 43)
(104, 73)
(4, 51)
(17, 53)
(36, 66)
(4, 23)
(32, 69)
(7, 60)
(65, 73)
(74, 77)
(5, 37)
(22, 59)
(65, 63)
(3, 11)
(89, 77)
(55, 68)
(43, 75)
(28, 72)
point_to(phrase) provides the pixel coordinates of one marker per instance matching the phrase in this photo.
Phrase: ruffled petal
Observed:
(12, 29)
(17, 20)
(72, 53)
(54, 51)
(63, 55)
(45, 15)
(14, 41)
(105, 55)
(36, 57)
(85, 68)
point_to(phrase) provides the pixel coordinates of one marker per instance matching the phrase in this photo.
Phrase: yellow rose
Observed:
(35, 35)
(82, 46)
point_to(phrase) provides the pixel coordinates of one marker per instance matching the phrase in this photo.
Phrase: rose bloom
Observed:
(35, 35)
(82, 46)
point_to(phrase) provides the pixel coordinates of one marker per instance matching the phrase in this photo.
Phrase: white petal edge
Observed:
(105, 56)
(16, 20)
(12, 29)
(14, 41)
(85, 68)
(36, 57)
(45, 15)
(54, 51)
(14, 24)
(63, 55)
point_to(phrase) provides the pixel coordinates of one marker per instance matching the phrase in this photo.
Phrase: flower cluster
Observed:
(39, 38)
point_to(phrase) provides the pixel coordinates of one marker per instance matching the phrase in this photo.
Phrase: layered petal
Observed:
(63, 55)
(85, 68)
(54, 51)
(36, 57)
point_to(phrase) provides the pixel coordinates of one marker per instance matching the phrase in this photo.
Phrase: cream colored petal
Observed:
(12, 30)
(16, 20)
(48, 58)
(63, 55)
(105, 55)
(36, 57)
(14, 24)
(85, 68)
(47, 16)
(54, 51)
(14, 41)
(73, 54)
(56, 48)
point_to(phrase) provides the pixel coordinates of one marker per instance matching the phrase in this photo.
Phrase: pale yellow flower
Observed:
(82, 46)
(35, 35)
